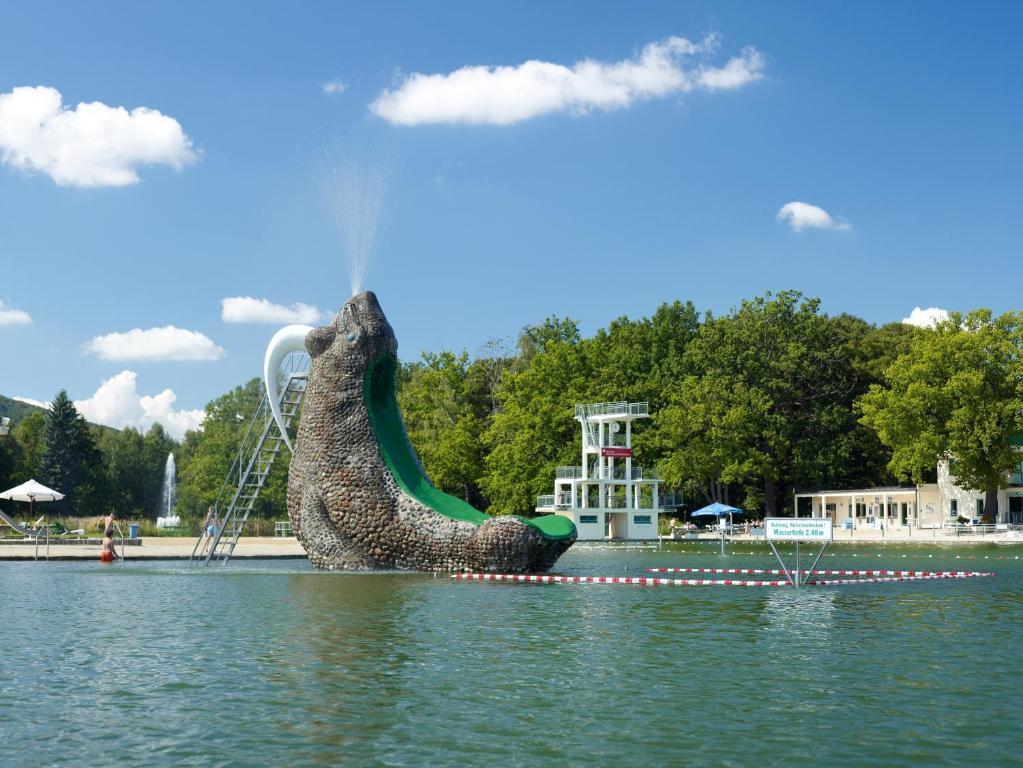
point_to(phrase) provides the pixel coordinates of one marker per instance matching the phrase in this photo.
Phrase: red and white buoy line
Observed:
(653, 581)
(823, 572)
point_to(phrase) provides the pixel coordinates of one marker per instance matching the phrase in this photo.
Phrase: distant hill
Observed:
(17, 410)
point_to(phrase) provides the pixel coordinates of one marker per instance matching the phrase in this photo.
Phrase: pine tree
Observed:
(61, 466)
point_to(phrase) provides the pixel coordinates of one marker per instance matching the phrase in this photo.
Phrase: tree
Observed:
(10, 457)
(534, 431)
(776, 373)
(710, 439)
(126, 470)
(62, 454)
(30, 435)
(446, 409)
(957, 395)
(534, 339)
(91, 494)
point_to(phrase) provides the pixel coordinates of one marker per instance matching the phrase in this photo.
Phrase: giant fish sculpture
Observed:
(358, 497)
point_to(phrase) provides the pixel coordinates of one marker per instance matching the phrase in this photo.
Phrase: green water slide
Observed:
(390, 434)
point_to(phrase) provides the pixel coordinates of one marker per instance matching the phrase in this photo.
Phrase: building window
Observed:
(953, 509)
(1017, 475)
(587, 519)
(980, 507)
(641, 519)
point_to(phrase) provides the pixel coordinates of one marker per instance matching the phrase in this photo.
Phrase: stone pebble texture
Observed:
(347, 510)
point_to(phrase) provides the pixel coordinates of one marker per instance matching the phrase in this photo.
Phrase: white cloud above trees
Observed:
(926, 318)
(246, 309)
(155, 344)
(503, 95)
(92, 145)
(800, 216)
(334, 87)
(117, 403)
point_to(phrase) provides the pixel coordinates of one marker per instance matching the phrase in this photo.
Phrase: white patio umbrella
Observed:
(31, 492)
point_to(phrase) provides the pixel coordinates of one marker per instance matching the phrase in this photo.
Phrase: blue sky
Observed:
(901, 121)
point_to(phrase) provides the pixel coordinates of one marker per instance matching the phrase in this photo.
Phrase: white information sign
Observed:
(798, 529)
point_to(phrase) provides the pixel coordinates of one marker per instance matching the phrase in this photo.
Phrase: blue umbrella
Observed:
(717, 509)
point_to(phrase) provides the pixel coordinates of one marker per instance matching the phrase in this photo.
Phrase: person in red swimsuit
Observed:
(108, 553)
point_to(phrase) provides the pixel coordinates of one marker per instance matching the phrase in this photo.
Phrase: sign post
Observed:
(816, 530)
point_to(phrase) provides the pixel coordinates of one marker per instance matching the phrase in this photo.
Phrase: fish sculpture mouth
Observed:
(358, 496)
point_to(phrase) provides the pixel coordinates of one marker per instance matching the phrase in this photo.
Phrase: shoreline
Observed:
(157, 548)
(279, 548)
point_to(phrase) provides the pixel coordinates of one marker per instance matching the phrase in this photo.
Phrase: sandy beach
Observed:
(154, 548)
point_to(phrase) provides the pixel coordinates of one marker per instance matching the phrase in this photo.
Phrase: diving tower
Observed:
(606, 496)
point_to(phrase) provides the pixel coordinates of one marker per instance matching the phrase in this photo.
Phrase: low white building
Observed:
(927, 505)
(606, 496)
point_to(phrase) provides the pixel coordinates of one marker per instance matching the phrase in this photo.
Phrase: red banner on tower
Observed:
(616, 452)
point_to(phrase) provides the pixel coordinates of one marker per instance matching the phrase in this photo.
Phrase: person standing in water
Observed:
(108, 553)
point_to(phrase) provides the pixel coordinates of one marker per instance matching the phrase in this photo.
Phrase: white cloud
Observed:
(926, 318)
(335, 87)
(737, 72)
(92, 145)
(31, 401)
(800, 216)
(118, 404)
(245, 309)
(509, 94)
(11, 316)
(167, 343)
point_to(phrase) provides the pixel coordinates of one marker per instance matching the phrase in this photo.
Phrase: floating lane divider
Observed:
(778, 571)
(889, 579)
(646, 581)
(652, 581)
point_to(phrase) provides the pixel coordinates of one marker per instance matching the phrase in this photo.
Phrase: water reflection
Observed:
(345, 665)
(277, 664)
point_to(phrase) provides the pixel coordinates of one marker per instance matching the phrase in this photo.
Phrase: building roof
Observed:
(861, 491)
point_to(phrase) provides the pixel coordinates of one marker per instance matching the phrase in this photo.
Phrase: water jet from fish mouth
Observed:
(358, 183)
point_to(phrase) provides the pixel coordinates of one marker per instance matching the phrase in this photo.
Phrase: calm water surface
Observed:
(271, 663)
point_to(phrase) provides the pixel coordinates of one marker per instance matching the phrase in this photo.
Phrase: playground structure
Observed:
(358, 497)
(606, 497)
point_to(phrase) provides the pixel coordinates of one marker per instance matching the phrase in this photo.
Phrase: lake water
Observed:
(271, 663)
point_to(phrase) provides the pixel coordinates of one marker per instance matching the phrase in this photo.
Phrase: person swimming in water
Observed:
(108, 553)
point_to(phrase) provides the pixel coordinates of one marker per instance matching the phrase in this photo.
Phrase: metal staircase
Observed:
(247, 475)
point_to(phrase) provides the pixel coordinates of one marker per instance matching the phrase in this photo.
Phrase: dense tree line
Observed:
(747, 408)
